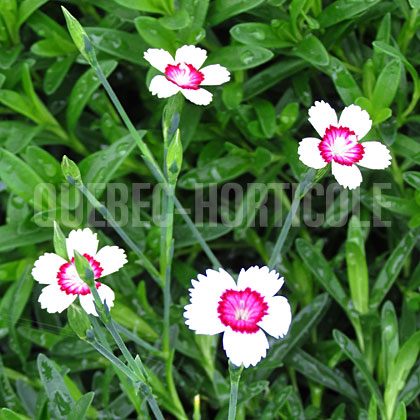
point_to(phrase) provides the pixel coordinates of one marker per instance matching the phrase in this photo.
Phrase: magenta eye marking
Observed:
(69, 280)
(242, 310)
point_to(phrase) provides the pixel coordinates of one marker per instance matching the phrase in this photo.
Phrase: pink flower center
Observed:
(341, 145)
(69, 280)
(242, 310)
(186, 76)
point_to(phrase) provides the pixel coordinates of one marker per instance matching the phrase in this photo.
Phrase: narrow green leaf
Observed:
(155, 34)
(319, 266)
(100, 167)
(60, 247)
(81, 407)
(258, 34)
(357, 270)
(151, 6)
(26, 8)
(25, 182)
(353, 353)
(240, 57)
(14, 236)
(397, 205)
(44, 164)
(316, 371)
(372, 413)
(53, 48)
(218, 171)
(401, 412)
(83, 89)
(272, 75)
(7, 393)
(397, 376)
(56, 73)
(343, 81)
(312, 51)
(389, 329)
(415, 4)
(6, 414)
(221, 10)
(9, 55)
(387, 84)
(19, 104)
(392, 268)
(119, 44)
(274, 406)
(56, 389)
(412, 178)
(209, 231)
(342, 10)
(300, 330)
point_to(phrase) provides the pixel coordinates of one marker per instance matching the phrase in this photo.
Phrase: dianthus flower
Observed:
(340, 144)
(242, 311)
(184, 74)
(64, 283)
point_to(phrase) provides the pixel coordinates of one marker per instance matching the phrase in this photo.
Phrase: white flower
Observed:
(64, 284)
(241, 311)
(182, 74)
(340, 144)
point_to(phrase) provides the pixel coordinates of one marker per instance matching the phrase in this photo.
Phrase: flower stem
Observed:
(147, 264)
(106, 351)
(301, 190)
(235, 376)
(151, 162)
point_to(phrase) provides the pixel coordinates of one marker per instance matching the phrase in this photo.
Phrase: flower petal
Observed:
(83, 241)
(309, 154)
(245, 349)
(279, 317)
(159, 58)
(348, 176)
(201, 315)
(262, 280)
(189, 54)
(198, 96)
(162, 87)
(105, 293)
(54, 300)
(215, 75)
(376, 155)
(111, 259)
(321, 116)
(46, 268)
(356, 119)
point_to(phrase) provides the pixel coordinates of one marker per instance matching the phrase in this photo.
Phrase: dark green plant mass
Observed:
(94, 134)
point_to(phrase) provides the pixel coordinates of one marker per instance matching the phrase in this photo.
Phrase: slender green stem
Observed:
(138, 369)
(147, 154)
(147, 264)
(137, 340)
(114, 360)
(151, 162)
(106, 351)
(301, 190)
(166, 263)
(235, 376)
(216, 263)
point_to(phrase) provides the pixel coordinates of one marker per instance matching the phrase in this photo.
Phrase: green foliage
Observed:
(70, 156)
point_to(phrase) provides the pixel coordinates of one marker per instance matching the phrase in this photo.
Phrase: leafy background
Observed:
(352, 351)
